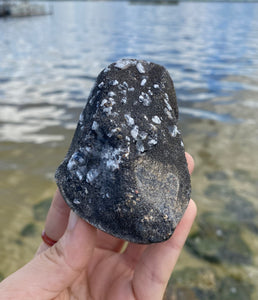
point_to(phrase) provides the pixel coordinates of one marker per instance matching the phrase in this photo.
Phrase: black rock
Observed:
(126, 172)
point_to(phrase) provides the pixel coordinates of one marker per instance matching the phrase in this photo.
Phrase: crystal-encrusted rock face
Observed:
(126, 172)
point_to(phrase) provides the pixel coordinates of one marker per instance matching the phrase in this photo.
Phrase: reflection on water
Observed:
(47, 68)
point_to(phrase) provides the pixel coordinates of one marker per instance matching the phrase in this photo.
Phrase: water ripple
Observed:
(204, 114)
(53, 61)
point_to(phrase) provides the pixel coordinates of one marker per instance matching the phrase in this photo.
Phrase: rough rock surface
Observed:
(126, 172)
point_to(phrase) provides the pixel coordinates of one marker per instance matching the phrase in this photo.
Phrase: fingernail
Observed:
(72, 220)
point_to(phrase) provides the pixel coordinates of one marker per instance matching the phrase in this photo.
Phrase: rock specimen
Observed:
(126, 172)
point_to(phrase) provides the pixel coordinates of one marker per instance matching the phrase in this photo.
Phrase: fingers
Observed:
(51, 272)
(57, 219)
(158, 261)
(190, 162)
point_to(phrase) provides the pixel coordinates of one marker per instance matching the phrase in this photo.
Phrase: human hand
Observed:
(87, 263)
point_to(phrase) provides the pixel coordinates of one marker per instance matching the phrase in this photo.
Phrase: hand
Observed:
(87, 264)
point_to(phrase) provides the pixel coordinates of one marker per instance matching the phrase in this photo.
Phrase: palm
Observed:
(110, 272)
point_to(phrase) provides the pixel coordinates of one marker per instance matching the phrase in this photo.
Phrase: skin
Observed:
(89, 264)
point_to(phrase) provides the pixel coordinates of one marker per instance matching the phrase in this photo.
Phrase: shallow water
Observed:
(47, 67)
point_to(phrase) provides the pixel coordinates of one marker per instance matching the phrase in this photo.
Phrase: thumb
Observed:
(55, 269)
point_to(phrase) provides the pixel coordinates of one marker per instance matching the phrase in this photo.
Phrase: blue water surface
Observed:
(51, 62)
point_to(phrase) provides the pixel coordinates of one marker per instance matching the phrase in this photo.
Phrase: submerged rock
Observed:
(126, 172)
(218, 239)
(29, 230)
(205, 283)
(40, 209)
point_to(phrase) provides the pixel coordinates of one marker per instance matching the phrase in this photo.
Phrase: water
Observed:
(47, 68)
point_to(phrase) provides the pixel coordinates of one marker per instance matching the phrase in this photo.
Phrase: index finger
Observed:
(190, 162)
(57, 219)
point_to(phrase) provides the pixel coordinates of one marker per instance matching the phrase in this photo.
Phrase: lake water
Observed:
(47, 67)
